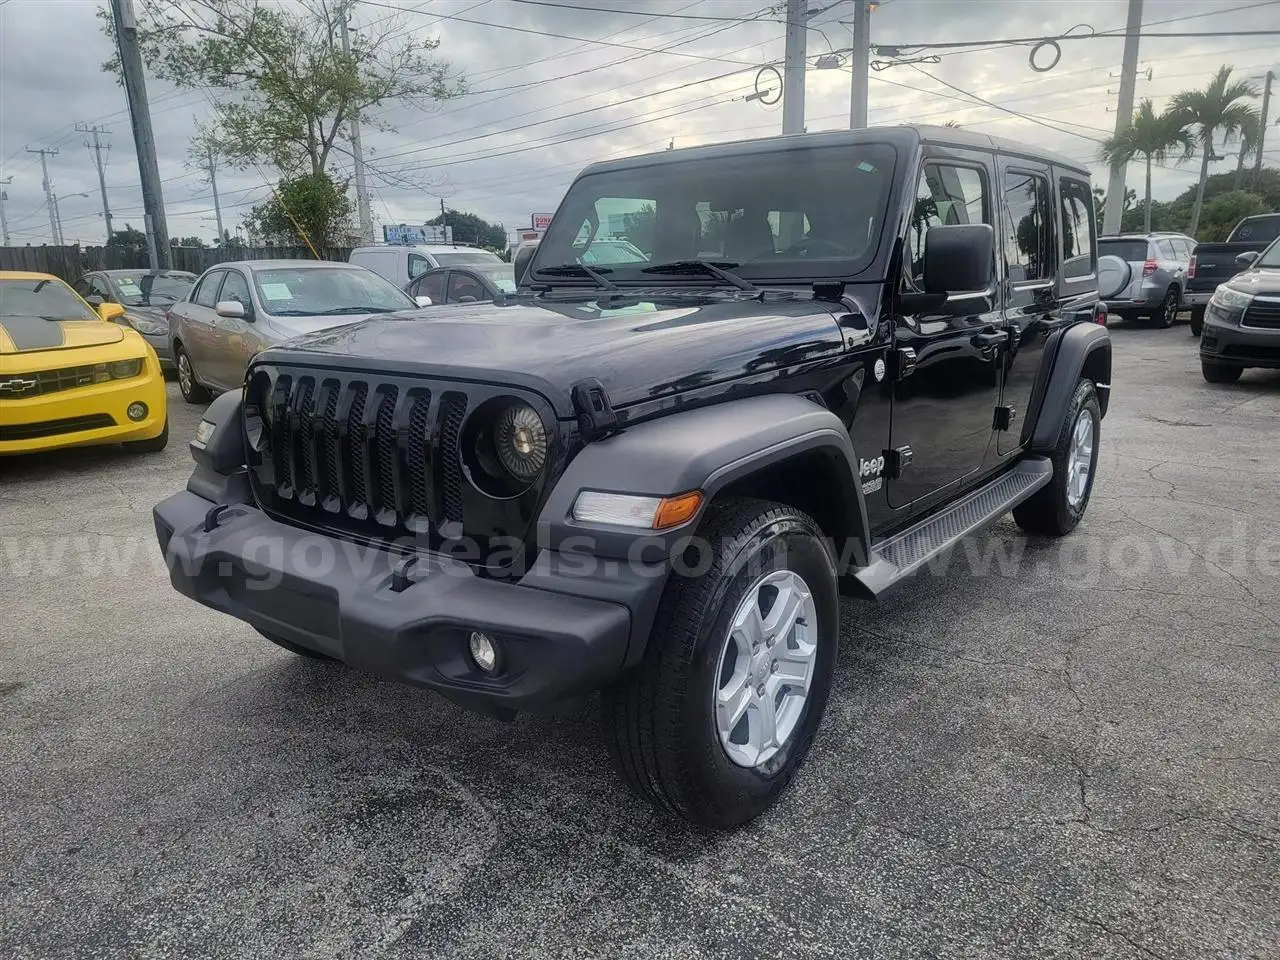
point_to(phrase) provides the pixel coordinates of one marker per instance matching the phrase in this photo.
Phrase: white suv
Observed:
(401, 263)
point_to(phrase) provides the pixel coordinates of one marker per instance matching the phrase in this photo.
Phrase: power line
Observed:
(630, 13)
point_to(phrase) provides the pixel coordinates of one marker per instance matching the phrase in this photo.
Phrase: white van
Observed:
(401, 263)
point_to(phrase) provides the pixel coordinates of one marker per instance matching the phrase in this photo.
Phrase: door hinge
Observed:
(596, 416)
(1005, 417)
(896, 461)
(902, 363)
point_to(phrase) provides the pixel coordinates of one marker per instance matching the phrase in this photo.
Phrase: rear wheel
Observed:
(718, 717)
(1197, 321)
(1220, 372)
(1167, 315)
(192, 391)
(1056, 509)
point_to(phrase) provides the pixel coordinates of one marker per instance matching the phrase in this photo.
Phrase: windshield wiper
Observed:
(341, 310)
(706, 266)
(294, 313)
(581, 269)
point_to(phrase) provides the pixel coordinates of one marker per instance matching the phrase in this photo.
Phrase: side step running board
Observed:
(898, 557)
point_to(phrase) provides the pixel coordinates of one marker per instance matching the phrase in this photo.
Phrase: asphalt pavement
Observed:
(1049, 749)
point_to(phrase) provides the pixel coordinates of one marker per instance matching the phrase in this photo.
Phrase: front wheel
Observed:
(717, 718)
(1056, 509)
(1197, 321)
(1220, 372)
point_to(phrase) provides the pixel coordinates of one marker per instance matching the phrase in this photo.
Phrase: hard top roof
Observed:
(904, 137)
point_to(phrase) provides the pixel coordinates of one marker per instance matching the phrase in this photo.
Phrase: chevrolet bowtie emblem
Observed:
(17, 386)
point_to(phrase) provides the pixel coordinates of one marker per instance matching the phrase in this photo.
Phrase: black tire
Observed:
(154, 445)
(1167, 315)
(1197, 321)
(294, 648)
(1220, 372)
(192, 390)
(659, 718)
(1050, 511)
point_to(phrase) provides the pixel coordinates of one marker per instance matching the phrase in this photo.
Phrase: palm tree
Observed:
(1153, 137)
(1217, 107)
(1249, 131)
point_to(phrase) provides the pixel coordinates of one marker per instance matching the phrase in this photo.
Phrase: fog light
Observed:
(483, 651)
(137, 411)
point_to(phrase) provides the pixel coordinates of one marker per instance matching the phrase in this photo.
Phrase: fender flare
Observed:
(706, 449)
(1082, 350)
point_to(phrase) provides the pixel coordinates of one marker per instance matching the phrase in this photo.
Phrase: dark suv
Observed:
(840, 354)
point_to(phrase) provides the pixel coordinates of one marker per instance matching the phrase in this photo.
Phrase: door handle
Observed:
(989, 338)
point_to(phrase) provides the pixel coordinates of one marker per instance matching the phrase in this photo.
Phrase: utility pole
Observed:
(1262, 127)
(362, 195)
(48, 191)
(212, 169)
(860, 87)
(4, 221)
(135, 85)
(793, 69)
(1112, 216)
(96, 147)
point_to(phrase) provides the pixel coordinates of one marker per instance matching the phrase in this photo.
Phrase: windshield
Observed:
(46, 299)
(1129, 250)
(502, 276)
(1257, 230)
(461, 257)
(1269, 257)
(148, 289)
(324, 291)
(789, 212)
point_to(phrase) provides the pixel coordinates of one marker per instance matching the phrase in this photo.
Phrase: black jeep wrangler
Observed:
(798, 368)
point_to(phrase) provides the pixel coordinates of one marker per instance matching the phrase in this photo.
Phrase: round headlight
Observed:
(521, 441)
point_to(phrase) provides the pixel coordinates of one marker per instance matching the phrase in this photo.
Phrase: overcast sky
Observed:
(555, 105)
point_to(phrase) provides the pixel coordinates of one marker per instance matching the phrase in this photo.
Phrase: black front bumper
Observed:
(340, 598)
(1239, 346)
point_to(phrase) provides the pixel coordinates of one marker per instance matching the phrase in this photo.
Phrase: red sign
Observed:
(541, 221)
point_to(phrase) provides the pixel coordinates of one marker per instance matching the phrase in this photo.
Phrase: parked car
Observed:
(1242, 321)
(402, 263)
(146, 297)
(1157, 274)
(239, 308)
(1216, 263)
(655, 479)
(473, 284)
(71, 377)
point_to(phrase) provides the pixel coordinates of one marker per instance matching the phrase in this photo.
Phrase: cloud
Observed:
(542, 107)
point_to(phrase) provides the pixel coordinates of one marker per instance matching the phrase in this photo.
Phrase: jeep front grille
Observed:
(367, 455)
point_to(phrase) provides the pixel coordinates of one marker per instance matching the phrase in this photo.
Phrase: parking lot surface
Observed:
(1049, 749)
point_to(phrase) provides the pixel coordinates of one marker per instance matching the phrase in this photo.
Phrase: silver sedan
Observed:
(237, 309)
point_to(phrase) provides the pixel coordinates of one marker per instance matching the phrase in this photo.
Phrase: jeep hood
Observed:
(638, 350)
(30, 334)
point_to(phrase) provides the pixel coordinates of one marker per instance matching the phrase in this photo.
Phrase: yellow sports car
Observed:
(69, 376)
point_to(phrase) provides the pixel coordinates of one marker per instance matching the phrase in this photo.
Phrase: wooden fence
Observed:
(70, 263)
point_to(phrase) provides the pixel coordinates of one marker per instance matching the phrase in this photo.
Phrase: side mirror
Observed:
(959, 258)
(1246, 259)
(422, 301)
(520, 263)
(110, 311)
(467, 299)
(231, 309)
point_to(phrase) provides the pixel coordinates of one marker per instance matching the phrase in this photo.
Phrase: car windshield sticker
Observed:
(128, 285)
(276, 291)
(865, 167)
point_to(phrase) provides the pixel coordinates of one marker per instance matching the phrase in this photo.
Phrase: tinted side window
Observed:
(945, 195)
(433, 287)
(1027, 241)
(102, 287)
(417, 266)
(207, 293)
(236, 288)
(81, 287)
(1077, 229)
(465, 285)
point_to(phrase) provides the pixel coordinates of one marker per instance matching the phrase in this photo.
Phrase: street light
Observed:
(57, 217)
